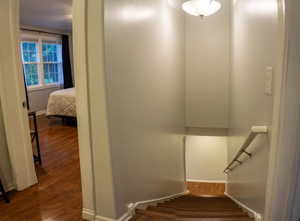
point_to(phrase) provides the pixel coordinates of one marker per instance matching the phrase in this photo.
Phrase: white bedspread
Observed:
(62, 103)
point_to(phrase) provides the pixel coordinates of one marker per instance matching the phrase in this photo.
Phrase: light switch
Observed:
(269, 81)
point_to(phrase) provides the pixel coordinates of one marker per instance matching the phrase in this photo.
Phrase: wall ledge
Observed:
(206, 181)
(201, 131)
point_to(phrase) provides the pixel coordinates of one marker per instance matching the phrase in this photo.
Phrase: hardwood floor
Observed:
(57, 197)
(198, 188)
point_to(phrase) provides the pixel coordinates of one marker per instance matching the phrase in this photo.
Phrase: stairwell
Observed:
(193, 208)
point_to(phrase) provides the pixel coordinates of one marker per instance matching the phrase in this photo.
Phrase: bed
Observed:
(62, 103)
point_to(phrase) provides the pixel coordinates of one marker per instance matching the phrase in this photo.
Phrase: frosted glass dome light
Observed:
(201, 7)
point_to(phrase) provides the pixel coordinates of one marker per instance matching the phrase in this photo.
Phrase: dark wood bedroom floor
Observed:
(57, 197)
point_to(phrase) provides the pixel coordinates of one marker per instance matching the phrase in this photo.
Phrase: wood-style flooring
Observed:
(57, 197)
(200, 188)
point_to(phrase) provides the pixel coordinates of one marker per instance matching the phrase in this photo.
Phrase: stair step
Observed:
(138, 217)
(161, 209)
(155, 214)
(193, 208)
(216, 214)
(197, 208)
(213, 219)
(184, 205)
(148, 218)
(204, 198)
(184, 213)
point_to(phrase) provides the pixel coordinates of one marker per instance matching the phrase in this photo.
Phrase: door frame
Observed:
(88, 42)
(94, 140)
(12, 96)
(284, 163)
(82, 109)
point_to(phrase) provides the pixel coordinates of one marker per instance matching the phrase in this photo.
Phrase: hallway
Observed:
(58, 194)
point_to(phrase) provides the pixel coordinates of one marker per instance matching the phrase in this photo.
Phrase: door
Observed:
(12, 95)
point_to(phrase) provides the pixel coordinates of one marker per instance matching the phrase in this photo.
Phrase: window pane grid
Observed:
(52, 62)
(52, 73)
(29, 52)
(31, 74)
(42, 62)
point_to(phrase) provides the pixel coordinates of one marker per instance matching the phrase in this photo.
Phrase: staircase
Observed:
(193, 208)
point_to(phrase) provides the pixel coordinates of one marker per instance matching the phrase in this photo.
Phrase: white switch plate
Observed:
(269, 81)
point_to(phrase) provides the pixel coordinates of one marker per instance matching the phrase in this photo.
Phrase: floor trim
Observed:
(91, 216)
(102, 218)
(252, 213)
(88, 214)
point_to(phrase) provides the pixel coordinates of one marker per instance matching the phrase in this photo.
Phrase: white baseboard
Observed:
(206, 181)
(250, 211)
(102, 218)
(88, 214)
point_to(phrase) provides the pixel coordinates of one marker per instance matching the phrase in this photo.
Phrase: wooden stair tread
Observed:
(200, 214)
(161, 209)
(193, 208)
(147, 218)
(138, 217)
(211, 214)
(155, 213)
(214, 219)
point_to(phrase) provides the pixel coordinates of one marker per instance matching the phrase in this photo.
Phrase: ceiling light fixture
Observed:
(201, 8)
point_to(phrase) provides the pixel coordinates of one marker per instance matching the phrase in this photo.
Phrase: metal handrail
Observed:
(255, 130)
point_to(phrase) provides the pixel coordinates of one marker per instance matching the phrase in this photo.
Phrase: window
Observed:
(52, 63)
(30, 63)
(42, 60)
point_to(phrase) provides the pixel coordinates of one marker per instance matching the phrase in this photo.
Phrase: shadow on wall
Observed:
(5, 166)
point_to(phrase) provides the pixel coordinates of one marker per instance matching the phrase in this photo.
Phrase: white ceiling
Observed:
(47, 14)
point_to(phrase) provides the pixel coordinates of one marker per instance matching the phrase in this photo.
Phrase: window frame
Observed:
(40, 38)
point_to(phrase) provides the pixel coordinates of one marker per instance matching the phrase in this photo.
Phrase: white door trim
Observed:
(94, 142)
(82, 108)
(285, 153)
(12, 95)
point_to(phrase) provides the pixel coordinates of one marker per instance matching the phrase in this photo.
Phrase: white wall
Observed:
(206, 158)
(6, 174)
(254, 47)
(207, 69)
(145, 85)
(38, 99)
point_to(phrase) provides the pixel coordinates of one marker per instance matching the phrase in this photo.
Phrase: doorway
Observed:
(37, 45)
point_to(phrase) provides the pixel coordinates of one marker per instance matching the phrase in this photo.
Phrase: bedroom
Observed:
(47, 60)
